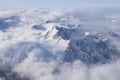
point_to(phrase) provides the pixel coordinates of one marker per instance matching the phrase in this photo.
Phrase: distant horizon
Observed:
(13, 4)
(15, 8)
(61, 8)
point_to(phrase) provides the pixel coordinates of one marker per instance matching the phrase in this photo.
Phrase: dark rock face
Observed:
(6, 23)
(90, 49)
(90, 52)
(65, 33)
(38, 27)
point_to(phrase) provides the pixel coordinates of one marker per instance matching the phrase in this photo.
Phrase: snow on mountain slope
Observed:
(68, 44)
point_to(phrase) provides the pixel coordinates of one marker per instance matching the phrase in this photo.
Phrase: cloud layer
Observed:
(34, 48)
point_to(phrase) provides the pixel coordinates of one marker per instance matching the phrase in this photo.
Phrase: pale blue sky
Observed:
(58, 3)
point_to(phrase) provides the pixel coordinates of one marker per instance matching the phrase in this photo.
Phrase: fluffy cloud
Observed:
(30, 54)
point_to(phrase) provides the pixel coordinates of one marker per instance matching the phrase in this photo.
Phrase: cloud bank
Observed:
(34, 43)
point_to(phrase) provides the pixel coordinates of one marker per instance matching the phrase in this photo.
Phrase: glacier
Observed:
(60, 44)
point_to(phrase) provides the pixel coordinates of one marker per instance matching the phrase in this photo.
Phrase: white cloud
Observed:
(26, 52)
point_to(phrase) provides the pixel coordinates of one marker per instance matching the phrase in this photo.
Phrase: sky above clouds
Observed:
(58, 3)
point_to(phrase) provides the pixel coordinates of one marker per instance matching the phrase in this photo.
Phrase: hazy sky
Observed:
(58, 3)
